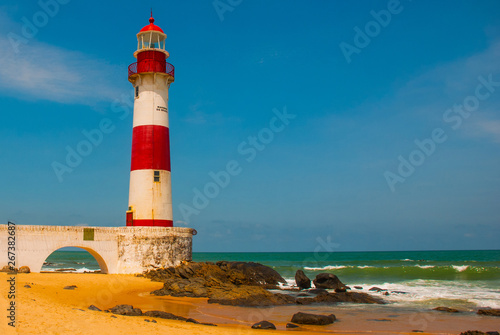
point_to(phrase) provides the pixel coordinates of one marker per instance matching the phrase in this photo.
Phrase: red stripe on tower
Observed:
(150, 148)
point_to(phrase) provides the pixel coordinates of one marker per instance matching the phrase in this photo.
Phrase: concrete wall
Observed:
(116, 249)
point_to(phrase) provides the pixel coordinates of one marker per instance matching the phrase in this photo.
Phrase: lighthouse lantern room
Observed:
(150, 193)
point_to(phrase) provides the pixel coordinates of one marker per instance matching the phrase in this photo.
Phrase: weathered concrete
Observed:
(116, 249)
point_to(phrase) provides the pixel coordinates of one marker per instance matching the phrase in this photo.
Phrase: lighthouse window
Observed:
(137, 91)
(157, 176)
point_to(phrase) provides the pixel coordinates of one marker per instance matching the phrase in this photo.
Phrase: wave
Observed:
(460, 268)
(417, 271)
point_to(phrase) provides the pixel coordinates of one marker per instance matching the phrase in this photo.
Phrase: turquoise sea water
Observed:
(464, 279)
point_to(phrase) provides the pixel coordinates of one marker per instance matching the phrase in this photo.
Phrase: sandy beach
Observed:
(47, 308)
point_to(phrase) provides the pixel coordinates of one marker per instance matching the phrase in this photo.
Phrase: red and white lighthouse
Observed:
(150, 194)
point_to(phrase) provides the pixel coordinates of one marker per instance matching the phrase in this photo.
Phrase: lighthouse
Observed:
(150, 193)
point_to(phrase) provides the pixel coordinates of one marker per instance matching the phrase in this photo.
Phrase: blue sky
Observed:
(330, 177)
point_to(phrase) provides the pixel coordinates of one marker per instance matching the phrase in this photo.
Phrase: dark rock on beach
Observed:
(333, 298)
(291, 325)
(94, 308)
(377, 289)
(446, 309)
(164, 315)
(263, 325)
(7, 268)
(195, 279)
(477, 332)
(71, 287)
(128, 310)
(318, 291)
(329, 281)
(250, 296)
(489, 311)
(302, 281)
(358, 287)
(24, 269)
(27, 286)
(313, 319)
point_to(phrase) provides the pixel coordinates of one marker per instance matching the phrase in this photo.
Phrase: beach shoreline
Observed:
(46, 307)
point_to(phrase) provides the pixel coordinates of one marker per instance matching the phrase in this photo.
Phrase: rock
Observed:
(489, 311)
(163, 315)
(71, 287)
(291, 325)
(318, 291)
(24, 269)
(64, 270)
(313, 319)
(197, 279)
(154, 321)
(128, 310)
(263, 325)
(302, 281)
(94, 308)
(446, 309)
(378, 289)
(27, 286)
(386, 293)
(191, 320)
(379, 320)
(147, 320)
(249, 296)
(358, 287)
(329, 281)
(334, 298)
(7, 268)
(254, 272)
(113, 316)
(399, 292)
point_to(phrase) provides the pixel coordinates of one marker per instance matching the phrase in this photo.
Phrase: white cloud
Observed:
(42, 71)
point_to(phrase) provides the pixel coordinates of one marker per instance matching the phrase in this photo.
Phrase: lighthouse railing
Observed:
(151, 65)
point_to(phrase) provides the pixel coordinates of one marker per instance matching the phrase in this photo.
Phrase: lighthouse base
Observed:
(125, 250)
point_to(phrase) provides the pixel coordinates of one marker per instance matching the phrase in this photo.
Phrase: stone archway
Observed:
(100, 260)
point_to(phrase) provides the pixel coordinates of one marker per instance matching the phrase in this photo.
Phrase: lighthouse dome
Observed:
(151, 26)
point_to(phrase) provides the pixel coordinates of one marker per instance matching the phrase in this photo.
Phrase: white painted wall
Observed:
(116, 249)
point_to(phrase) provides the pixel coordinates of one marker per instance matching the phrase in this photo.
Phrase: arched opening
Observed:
(74, 259)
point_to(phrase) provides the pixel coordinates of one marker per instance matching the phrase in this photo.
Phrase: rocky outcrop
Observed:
(477, 332)
(164, 315)
(329, 281)
(128, 310)
(302, 281)
(249, 296)
(263, 325)
(243, 284)
(334, 298)
(446, 309)
(489, 311)
(313, 319)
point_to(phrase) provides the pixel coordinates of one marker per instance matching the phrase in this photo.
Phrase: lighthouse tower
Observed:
(150, 194)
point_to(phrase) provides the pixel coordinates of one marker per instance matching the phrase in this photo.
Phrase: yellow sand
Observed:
(46, 308)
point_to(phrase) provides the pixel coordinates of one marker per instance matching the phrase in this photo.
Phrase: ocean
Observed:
(414, 279)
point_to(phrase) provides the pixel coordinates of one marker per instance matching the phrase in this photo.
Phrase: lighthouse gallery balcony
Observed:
(151, 65)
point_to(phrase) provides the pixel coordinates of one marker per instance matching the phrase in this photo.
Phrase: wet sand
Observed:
(47, 308)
